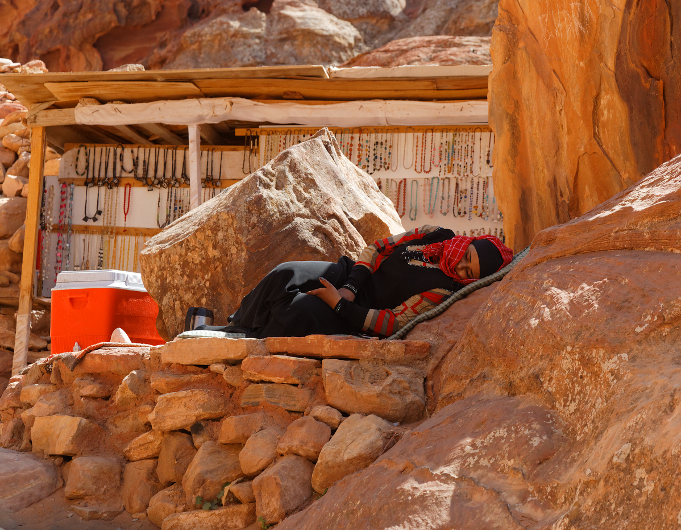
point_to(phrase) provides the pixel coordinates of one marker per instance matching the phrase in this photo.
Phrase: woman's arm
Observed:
(371, 257)
(382, 322)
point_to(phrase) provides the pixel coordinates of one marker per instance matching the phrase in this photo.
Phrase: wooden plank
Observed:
(74, 145)
(461, 83)
(210, 135)
(358, 130)
(100, 135)
(224, 183)
(163, 133)
(128, 91)
(35, 181)
(37, 107)
(118, 230)
(131, 135)
(194, 167)
(50, 118)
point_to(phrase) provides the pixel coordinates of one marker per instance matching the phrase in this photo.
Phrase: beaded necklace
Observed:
(352, 141)
(402, 185)
(88, 184)
(455, 202)
(418, 167)
(69, 221)
(464, 198)
(477, 210)
(397, 151)
(61, 229)
(480, 172)
(85, 172)
(446, 181)
(404, 153)
(135, 254)
(367, 152)
(439, 149)
(413, 199)
(432, 201)
(47, 239)
(423, 152)
(117, 159)
(359, 149)
(489, 150)
(158, 210)
(426, 206)
(127, 196)
(100, 183)
(470, 200)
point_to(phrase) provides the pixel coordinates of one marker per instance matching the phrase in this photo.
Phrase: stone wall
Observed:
(584, 101)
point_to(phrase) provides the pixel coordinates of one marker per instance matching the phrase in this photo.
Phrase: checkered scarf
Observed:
(451, 251)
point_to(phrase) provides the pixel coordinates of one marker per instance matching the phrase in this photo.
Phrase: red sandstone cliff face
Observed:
(584, 101)
(103, 34)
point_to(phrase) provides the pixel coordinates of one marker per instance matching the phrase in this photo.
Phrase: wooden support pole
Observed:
(194, 167)
(35, 182)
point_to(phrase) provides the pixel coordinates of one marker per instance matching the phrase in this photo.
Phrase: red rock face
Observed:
(104, 34)
(559, 403)
(584, 101)
(441, 50)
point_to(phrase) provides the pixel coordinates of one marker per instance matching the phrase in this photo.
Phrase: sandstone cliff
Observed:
(584, 101)
(104, 34)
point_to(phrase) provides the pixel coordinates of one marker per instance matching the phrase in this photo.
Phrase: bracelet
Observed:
(339, 305)
(350, 288)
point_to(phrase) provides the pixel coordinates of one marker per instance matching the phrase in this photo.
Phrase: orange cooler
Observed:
(87, 306)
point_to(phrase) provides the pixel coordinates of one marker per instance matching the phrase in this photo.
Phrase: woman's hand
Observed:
(347, 294)
(329, 294)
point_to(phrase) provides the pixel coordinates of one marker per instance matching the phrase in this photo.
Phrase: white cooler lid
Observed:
(131, 281)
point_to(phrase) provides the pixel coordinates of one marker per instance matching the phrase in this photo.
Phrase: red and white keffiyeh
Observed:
(451, 251)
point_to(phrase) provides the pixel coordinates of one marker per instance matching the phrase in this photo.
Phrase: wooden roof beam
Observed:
(210, 135)
(131, 135)
(163, 132)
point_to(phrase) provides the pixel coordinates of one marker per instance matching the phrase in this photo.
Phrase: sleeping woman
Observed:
(393, 281)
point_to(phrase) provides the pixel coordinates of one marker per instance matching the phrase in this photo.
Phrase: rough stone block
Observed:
(213, 466)
(332, 417)
(24, 479)
(238, 429)
(259, 452)
(58, 402)
(65, 435)
(282, 488)
(93, 512)
(286, 396)
(210, 350)
(30, 394)
(180, 410)
(11, 397)
(133, 386)
(147, 445)
(358, 441)
(280, 369)
(304, 437)
(166, 502)
(177, 452)
(166, 382)
(324, 346)
(392, 392)
(140, 484)
(91, 388)
(93, 476)
(204, 431)
(234, 517)
(119, 361)
(243, 491)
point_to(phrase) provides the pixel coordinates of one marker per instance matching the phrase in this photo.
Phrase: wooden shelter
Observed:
(216, 106)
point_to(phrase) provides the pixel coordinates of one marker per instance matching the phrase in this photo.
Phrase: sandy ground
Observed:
(52, 513)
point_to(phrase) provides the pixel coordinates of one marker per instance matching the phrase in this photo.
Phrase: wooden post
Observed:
(35, 182)
(194, 166)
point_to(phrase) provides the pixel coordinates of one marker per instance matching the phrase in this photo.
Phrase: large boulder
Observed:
(25, 479)
(598, 87)
(309, 203)
(559, 413)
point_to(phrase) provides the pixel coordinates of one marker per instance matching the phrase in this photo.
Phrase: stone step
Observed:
(280, 369)
(325, 346)
(204, 351)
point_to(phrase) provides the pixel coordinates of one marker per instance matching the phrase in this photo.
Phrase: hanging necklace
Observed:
(470, 200)
(118, 160)
(402, 185)
(49, 205)
(85, 172)
(423, 153)
(396, 144)
(489, 150)
(455, 202)
(88, 184)
(404, 152)
(210, 154)
(367, 152)
(418, 167)
(69, 231)
(61, 229)
(432, 201)
(127, 195)
(100, 183)
(473, 154)
(446, 182)
(426, 183)
(413, 200)
(218, 184)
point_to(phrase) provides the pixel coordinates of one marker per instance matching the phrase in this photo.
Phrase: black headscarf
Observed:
(489, 257)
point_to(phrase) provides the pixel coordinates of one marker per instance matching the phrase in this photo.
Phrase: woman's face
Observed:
(468, 267)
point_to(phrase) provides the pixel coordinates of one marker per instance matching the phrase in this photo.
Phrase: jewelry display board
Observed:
(109, 199)
(433, 175)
